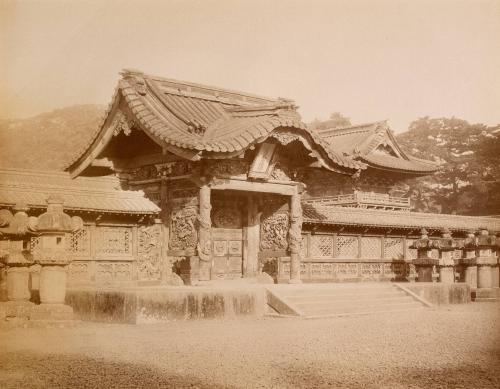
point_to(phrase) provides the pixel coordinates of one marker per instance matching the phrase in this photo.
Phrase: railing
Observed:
(363, 200)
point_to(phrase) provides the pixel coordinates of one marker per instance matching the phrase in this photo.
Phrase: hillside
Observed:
(47, 141)
(468, 181)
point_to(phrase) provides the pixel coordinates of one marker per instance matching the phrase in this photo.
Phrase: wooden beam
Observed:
(262, 187)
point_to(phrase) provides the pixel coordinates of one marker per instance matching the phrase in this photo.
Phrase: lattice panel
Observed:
(371, 247)
(321, 246)
(347, 246)
(457, 254)
(34, 243)
(114, 240)
(78, 242)
(393, 248)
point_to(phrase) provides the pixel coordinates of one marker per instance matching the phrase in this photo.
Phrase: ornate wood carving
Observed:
(280, 173)
(167, 169)
(273, 230)
(227, 217)
(149, 252)
(285, 137)
(182, 229)
(224, 168)
(121, 124)
(295, 231)
(204, 225)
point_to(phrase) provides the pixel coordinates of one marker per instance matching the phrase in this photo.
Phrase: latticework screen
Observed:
(114, 240)
(371, 247)
(78, 242)
(321, 246)
(393, 248)
(347, 246)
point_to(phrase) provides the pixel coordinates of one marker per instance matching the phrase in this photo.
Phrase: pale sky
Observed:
(370, 60)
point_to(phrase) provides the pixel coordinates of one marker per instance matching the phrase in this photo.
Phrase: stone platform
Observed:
(154, 304)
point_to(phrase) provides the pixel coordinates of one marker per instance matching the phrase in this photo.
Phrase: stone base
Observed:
(19, 309)
(295, 281)
(441, 294)
(51, 312)
(487, 294)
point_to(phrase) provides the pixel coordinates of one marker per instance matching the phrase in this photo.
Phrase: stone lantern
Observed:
(16, 230)
(446, 263)
(468, 260)
(486, 261)
(53, 258)
(424, 263)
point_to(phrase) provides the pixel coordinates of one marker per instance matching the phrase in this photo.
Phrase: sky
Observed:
(370, 60)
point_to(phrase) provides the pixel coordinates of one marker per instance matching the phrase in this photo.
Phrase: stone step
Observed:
(326, 299)
(342, 295)
(344, 301)
(318, 311)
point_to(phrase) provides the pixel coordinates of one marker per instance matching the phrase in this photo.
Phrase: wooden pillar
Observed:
(204, 231)
(295, 237)
(251, 239)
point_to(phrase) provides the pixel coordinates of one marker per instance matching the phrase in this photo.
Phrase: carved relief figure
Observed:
(204, 225)
(273, 230)
(149, 252)
(183, 232)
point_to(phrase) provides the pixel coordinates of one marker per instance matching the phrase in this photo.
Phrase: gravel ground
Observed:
(456, 347)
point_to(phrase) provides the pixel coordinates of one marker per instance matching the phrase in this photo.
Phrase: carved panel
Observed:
(273, 232)
(114, 240)
(220, 248)
(228, 168)
(226, 217)
(321, 246)
(149, 252)
(370, 269)
(182, 229)
(167, 169)
(371, 247)
(347, 246)
(104, 272)
(346, 269)
(78, 272)
(234, 247)
(122, 271)
(393, 248)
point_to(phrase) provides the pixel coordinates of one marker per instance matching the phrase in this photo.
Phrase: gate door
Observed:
(227, 247)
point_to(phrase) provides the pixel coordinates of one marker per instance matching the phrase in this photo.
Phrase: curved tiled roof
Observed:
(361, 142)
(332, 215)
(393, 163)
(204, 120)
(92, 194)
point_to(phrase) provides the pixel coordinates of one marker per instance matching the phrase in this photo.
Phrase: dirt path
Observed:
(457, 347)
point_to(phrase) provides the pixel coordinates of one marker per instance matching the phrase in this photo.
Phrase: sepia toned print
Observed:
(205, 236)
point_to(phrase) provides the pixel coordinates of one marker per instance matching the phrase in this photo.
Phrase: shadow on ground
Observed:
(28, 370)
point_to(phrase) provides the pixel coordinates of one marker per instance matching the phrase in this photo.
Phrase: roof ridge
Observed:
(339, 131)
(138, 73)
